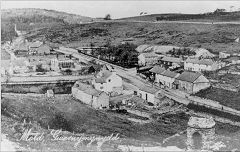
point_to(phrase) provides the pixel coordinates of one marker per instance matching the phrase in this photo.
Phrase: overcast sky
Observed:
(119, 9)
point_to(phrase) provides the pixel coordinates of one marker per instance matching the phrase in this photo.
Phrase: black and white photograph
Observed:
(120, 76)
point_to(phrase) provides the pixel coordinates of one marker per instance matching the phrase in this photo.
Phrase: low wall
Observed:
(58, 88)
(47, 78)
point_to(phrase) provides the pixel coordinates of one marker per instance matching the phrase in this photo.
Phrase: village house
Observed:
(167, 78)
(21, 49)
(89, 49)
(148, 59)
(200, 65)
(90, 96)
(33, 46)
(170, 61)
(108, 82)
(201, 52)
(191, 82)
(43, 50)
(61, 63)
(156, 70)
(150, 94)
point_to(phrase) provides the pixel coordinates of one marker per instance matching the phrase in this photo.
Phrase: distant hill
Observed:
(216, 17)
(31, 19)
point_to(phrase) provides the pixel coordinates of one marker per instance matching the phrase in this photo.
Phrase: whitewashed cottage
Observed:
(108, 82)
(90, 96)
(149, 94)
(148, 59)
(191, 82)
(200, 65)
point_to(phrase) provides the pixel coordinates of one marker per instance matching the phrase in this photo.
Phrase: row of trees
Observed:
(123, 55)
(181, 52)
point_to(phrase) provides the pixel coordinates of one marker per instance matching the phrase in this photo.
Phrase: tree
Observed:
(39, 68)
(107, 17)
(217, 11)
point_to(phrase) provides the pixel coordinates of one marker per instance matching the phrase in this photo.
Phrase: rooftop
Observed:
(102, 76)
(169, 74)
(171, 59)
(200, 62)
(157, 69)
(188, 76)
(86, 88)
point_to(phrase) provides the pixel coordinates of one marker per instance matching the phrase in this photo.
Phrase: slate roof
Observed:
(169, 74)
(171, 59)
(150, 55)
(200, 62)
(86, 88)
(188, 76)
(103, 78)
(157, 69)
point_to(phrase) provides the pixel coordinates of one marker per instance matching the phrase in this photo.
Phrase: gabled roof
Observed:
(171, 59)
(86, 88)
(200, 62)
(44, 48)
(169, 74)
(157, 69)
(103, 75)
(188, 76)
(22, 47)
(202, 52)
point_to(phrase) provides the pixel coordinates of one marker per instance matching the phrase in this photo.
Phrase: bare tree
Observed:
(107, 17)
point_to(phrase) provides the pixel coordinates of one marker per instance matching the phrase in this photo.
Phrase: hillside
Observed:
(206, 17)
(31, 19)
(212, 37)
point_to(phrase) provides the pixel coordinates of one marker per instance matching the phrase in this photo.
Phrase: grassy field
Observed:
(224, 97)
(217, 17)
(213, 37)
(71, 115)
(64, 112)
